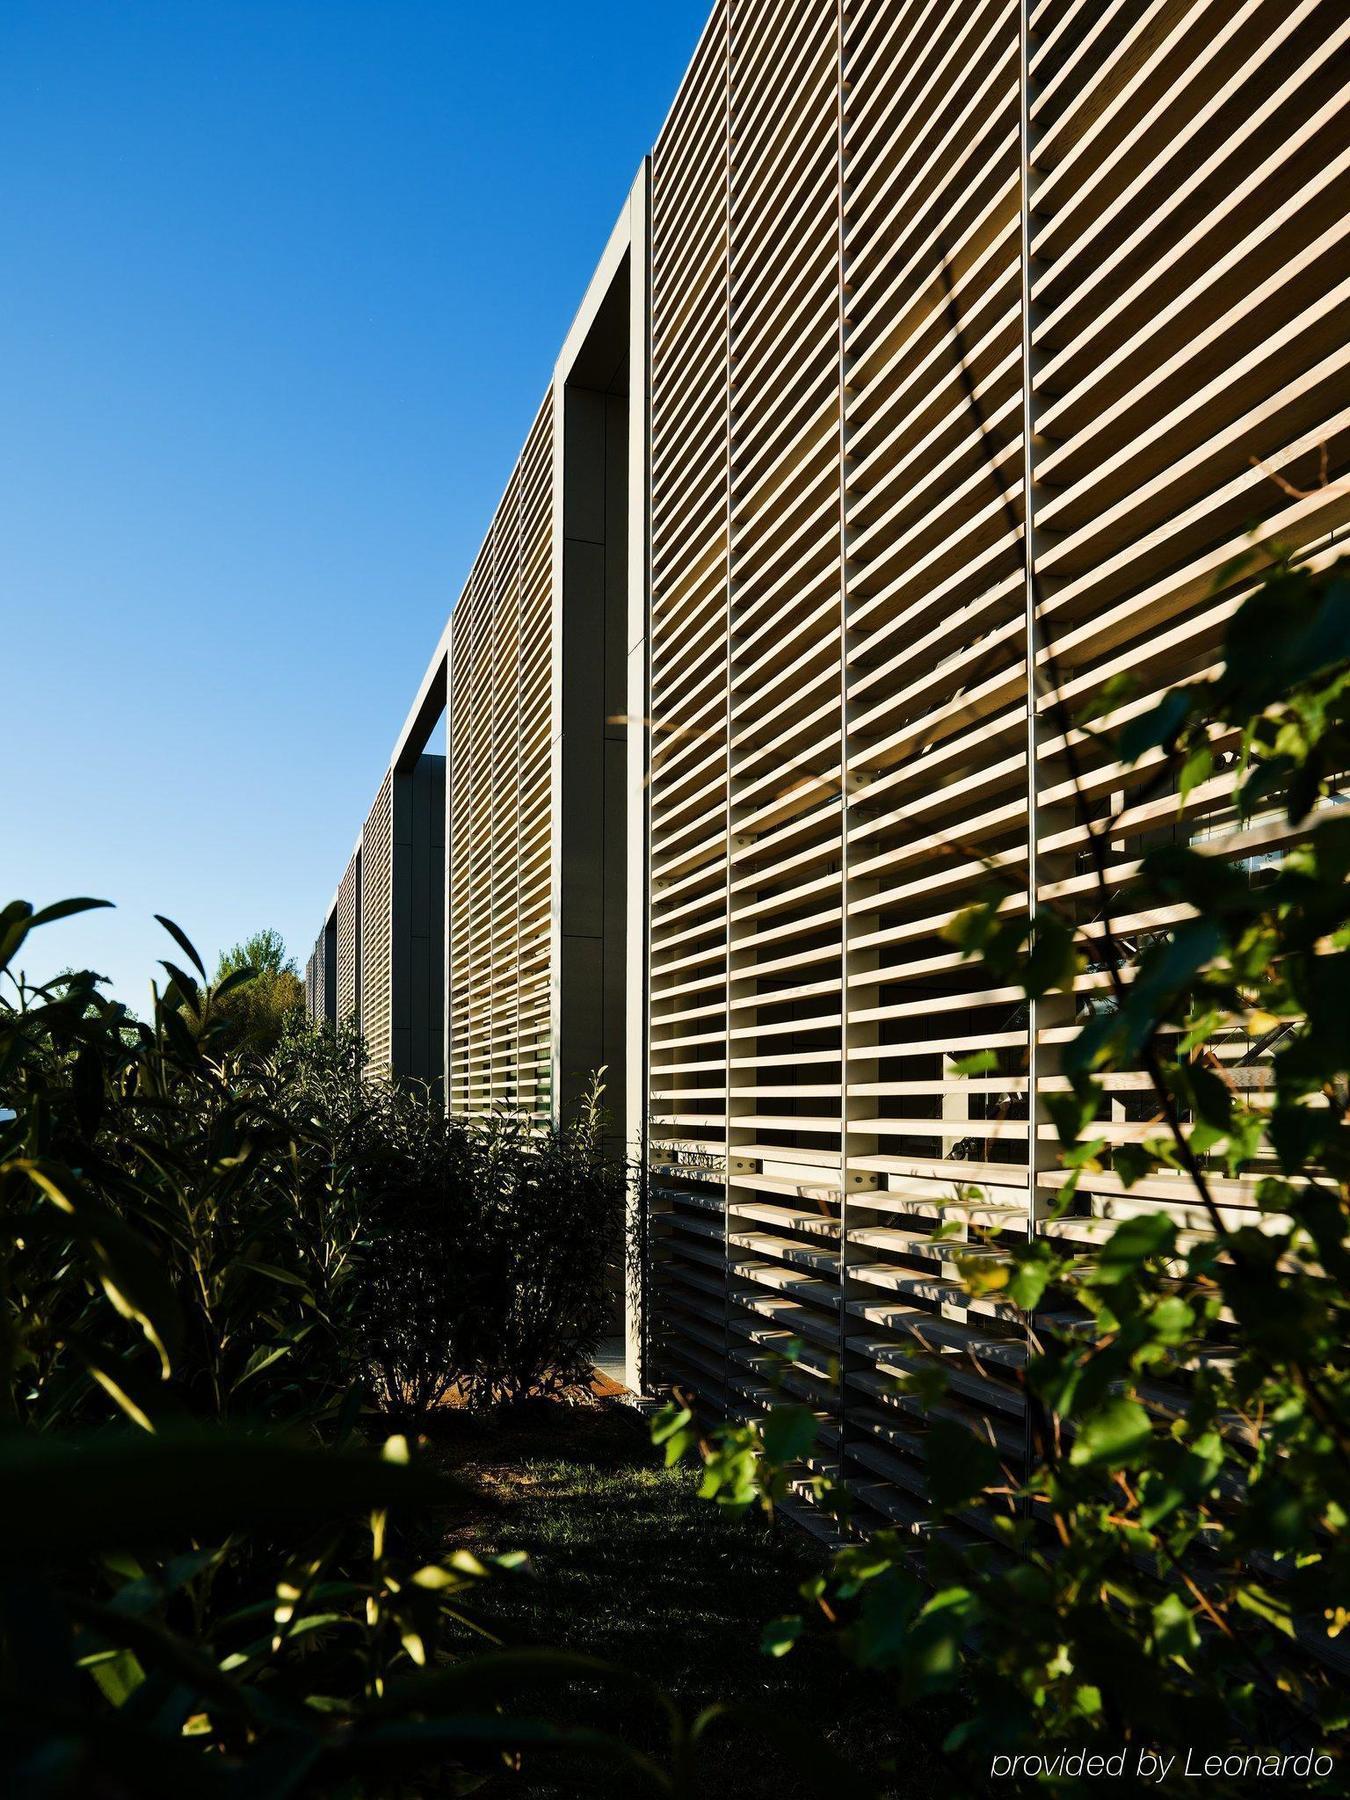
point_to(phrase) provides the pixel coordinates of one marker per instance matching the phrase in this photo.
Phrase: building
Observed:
(946, 360)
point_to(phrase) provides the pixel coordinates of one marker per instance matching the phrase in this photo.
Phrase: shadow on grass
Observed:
(628, 1564)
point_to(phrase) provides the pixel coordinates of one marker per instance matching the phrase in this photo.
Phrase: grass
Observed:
(626, 1563)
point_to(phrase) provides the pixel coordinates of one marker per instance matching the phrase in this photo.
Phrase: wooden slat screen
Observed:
(349, 940)
(986, 337)
(1188, 284)
(500, 803)
(690, 498)
(870, 221)
(377, 948)
(321, 1000)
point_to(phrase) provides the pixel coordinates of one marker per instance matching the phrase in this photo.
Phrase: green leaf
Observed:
(1200, 1031)
(1174, 1632)
(1203, 1138)
(970, 928)
(185, 985)
(730, 1468)
(228, 983)
(1053, 960)
(788, 1433)
(117, 1674)
(155, 1646)
(1112, 1436)
(1071, 1113)
(1115, 691)
(1212, 1097)
(1133, 1243)
(1198, 767)
(673, 1428)
(63, 909)
(1030, 1280)
(1132, 1162)
(979, 1062)
(184, 944)
(18, 919)
(13, 929)
(931, 1658)
(982, 1275)
(131, 1275)
(1159, 726)
(262, 1358)
(1172, 1319)
(672, 1418)
(779, 1635)
(116, 1389)
(1084, 1155)
(286, 1277)
(1273, 1608)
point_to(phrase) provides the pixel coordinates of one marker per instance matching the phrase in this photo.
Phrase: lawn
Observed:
(628, 1564)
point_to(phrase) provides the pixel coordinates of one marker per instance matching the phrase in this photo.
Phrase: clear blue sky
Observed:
(284, 282)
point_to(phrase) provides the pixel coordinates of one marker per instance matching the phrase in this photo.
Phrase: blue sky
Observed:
(285, 280)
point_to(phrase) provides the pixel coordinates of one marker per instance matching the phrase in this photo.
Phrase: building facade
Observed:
(949, 359)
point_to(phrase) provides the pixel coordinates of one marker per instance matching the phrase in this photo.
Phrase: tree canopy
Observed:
(260, 1006)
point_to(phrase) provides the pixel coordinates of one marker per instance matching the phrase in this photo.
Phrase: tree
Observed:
(255, 1011)
(264, 953)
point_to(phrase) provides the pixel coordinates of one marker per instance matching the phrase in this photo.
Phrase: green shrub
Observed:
(170, 1234)
(489, 1263)
(416, 1287)
(545, 1244)
(202, 1587)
